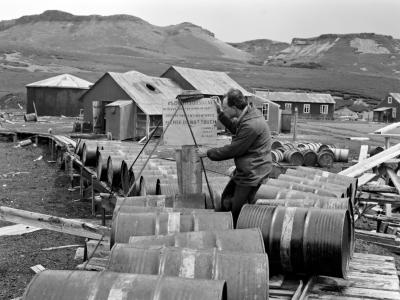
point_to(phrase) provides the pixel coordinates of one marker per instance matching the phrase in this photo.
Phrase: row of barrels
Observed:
(192, 247)
(308, 154)
(113, 164)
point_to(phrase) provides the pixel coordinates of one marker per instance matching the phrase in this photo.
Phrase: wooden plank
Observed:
(61, 247)
(363, 153)
(370, 281)
(359, 168)
(17, 229)
(365, 178)
(297, 293)
(324, 291)
(386, 282)
(377, 237)
(54, 223)
(368, 197)
(382, 269)
(378, 188)
(387, 128)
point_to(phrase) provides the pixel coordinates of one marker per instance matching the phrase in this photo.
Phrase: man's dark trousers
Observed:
(235, 196)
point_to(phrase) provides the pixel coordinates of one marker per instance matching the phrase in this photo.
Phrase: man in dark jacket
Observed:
(250, 148)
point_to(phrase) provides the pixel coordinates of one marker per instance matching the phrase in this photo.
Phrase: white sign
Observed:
(202, 116)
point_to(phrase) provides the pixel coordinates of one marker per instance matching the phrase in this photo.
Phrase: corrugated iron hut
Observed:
(386, 110)
(57, 95)
(147, 93)
(119, 116)
(214, 83)
(309, 105)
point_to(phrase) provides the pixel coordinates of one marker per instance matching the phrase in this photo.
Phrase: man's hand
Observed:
(201, 152)
(218, 103)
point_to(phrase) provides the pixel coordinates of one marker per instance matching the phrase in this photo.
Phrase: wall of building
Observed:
(381, 116)
(106, 90)
(314, 110)
(54, 101)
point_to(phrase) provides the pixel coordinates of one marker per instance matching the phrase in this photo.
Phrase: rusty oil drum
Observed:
(246, 274)
(125, 225)
(248, 240)
(302, 240)
(67, 285)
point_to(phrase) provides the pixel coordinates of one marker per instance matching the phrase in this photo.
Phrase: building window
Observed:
(323, 109)
(264, 110)
(288, 106)
(306, 108)
(394, 111)
(389, 100)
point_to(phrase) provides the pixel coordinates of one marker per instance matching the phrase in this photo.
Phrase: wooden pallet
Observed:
(370, 277)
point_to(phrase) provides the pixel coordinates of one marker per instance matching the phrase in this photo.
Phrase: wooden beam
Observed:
(378, 189)
(363, 166)
(367, 197)
(54, 223)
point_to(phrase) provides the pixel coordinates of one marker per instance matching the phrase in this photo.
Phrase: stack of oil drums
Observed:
(307, 220)
(308, 154)
(171, 247)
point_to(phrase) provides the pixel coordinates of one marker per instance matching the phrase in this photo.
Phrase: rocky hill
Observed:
(117, 34)
(361, 53)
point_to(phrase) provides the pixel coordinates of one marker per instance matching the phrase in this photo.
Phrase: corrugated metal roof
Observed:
(382, 108)
(209, 82)
(296, 97)
(120, 103)
(259, 100)
(396, 96)
(63, 81)
(148, 92)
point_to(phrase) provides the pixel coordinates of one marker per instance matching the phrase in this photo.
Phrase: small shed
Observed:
(57, 95)
(309, 105)
(386, 110)
(119, 117)
(345, 113)
(147, 93)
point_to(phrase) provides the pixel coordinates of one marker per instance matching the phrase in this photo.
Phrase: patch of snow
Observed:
(364, 69)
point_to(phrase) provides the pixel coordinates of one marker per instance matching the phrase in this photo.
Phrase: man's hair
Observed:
(235, 98)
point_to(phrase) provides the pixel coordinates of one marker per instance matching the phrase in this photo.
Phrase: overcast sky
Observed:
(238, 20)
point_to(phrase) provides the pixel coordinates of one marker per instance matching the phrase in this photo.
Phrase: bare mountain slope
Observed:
(361, 53)
(118, 34)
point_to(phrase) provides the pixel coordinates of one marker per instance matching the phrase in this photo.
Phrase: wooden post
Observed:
(387, 142)
(93, 202)
(15, 139)
(147, 126)
(36, 140)
(191, 171)
(178, 157)
(81, 183)
(295, 124)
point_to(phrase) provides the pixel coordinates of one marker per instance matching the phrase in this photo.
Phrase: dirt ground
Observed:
(40, 186)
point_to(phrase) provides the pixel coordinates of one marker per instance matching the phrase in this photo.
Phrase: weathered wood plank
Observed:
(387, 282)
(375, 257)
(371, 281)
(378, 269)
(377, 237)
(359, 168)
(54, 223)
(324, 291)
